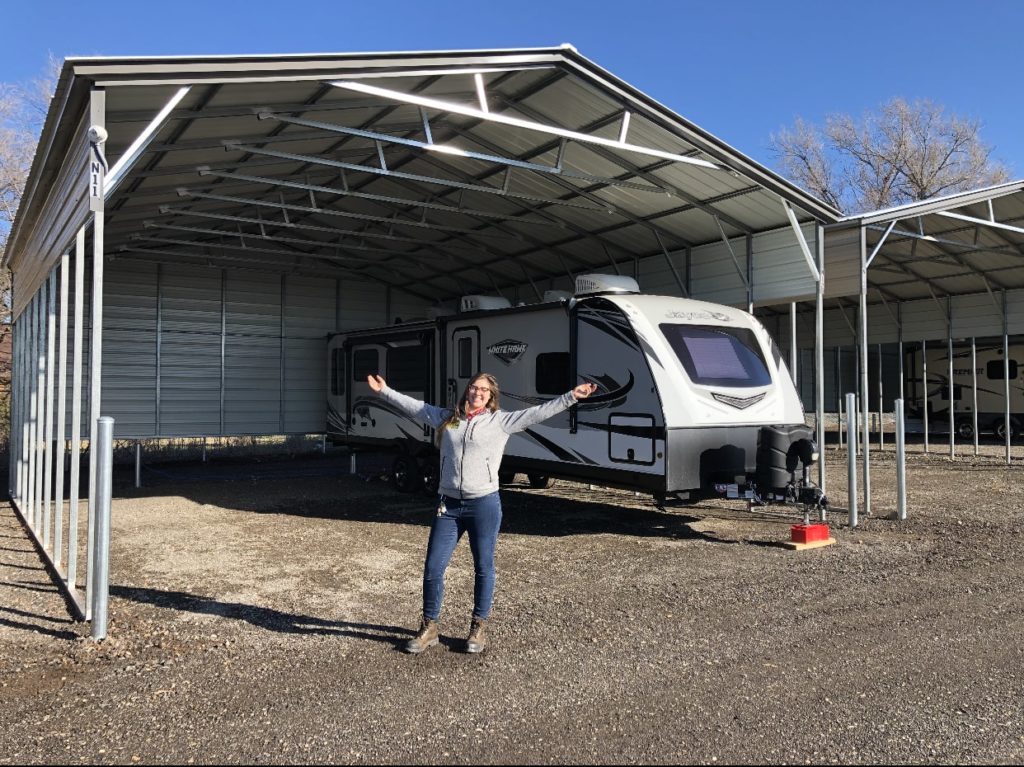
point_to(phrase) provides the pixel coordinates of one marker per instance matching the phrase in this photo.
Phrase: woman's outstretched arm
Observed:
(417, 409)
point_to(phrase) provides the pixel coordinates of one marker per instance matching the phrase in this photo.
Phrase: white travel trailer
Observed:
(693, 398)
(990, 374)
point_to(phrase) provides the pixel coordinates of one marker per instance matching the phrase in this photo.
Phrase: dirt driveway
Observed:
(257, 618)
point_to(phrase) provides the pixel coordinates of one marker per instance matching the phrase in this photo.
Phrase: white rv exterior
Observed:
(686, 389)
(991, 381)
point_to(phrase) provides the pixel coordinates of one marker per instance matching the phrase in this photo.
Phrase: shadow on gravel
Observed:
(35, 627)
(263, 617)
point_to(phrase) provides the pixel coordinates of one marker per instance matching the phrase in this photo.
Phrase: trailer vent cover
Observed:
(475, 303)
(740, 403)
(605, 283)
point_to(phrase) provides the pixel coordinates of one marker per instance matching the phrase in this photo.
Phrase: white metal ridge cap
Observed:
(933, 205)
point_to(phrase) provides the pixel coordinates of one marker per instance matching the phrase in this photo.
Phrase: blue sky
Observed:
(739, 69)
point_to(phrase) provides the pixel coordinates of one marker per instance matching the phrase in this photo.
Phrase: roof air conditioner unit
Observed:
(605, 283)
(551, 296)
(477, 303)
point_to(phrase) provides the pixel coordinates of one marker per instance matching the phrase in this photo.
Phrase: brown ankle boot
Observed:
(427, 637)
(477, 641)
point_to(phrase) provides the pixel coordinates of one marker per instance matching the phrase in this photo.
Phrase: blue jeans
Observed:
(481, 518)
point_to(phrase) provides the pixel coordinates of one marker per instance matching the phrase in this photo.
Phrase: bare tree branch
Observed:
(900, 153)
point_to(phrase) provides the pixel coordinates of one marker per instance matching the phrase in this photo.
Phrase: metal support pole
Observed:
(793, 354)
(901, 463)
(51, 342)
(103, 456)
(819, 351)
(33, 407)
(924, 390)
(138, 463)
(851, 459)
(952, 395)
(39, 442)
(974, 391)
(865, 404)
(76, 409)
(62, 412)
(1006, 378)
(881, 402)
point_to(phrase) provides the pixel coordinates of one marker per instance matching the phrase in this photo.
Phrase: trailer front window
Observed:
(719, 356)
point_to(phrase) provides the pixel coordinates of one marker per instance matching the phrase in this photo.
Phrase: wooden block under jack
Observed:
(793, 546)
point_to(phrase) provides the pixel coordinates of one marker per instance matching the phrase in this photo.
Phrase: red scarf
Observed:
(475, 413)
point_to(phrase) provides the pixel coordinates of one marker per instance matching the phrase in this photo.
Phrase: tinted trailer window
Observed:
(717, 356)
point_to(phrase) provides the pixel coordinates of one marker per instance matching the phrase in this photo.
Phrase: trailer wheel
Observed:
(506, 477)
(405, 473)
(965, 430)
(539, 481)
(431, 476)
(999, 428)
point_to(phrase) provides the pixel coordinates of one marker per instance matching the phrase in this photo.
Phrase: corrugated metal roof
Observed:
(267, 160)
(962, 243)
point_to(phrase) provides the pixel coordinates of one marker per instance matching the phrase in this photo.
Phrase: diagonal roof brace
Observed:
(795, 226)
(980, 221)
(454, 108)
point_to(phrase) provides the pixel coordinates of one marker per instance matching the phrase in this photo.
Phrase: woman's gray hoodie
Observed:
(471, 451)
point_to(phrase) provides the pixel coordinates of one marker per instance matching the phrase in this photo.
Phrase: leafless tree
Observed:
(22, 112)
(901, 153)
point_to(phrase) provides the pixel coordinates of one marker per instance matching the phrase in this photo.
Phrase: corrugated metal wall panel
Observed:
(252, 385)
(129, 347)
(781, 272)
(925, 320)
(190, 299)
(362, 305)
(305, 405)
(656, 275)
(253, 304)
(309, 307)
(977, 315)
(842, 263)
(713, 273)
(60, 217)
(1015, 311)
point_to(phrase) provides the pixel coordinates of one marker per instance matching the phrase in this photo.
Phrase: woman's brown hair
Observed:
(461, 409)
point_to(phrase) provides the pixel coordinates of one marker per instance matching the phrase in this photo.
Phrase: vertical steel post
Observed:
(952, 395)
(51, 342)
(17, 407)
(159, 333)
(901, 463)
(865, 404)
(97, 117)
(793, 354)
(76, 409)
(1007, 431)
(62, 413)
(102, 449)
(39, 443)
(851, 459)
(819, 350)
(138, 463)
(924, 389)
(33, 408)
(974, 391)
(881, 402)
(223, 340)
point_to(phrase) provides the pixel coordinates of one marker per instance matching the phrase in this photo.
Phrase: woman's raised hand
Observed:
(376, 382)
(584, 390)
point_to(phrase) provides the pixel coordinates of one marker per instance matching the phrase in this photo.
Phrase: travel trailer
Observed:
(693, 399)
(990, 372)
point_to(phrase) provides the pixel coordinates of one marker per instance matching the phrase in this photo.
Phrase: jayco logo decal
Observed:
(699, 315)
(508, 351)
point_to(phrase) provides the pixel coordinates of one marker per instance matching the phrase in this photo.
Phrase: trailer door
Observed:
(463, 361)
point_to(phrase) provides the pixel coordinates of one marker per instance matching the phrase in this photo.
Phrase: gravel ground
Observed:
(259, 620)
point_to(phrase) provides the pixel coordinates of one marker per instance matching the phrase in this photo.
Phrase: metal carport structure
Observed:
(945, 269)
(234, 209)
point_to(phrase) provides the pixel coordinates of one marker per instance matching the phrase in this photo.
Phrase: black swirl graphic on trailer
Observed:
(611, 324)
(613, 393)
(557, 450)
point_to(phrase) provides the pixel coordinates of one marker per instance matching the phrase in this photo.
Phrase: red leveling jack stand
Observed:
(809, 537)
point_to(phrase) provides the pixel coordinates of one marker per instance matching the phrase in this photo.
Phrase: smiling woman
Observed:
(472, 438)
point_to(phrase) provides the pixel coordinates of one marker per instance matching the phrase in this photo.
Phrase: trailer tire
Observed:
(999, 428)
(405, 473)
(539, 481)
(965, 430)
(431, 475)
(506, 477)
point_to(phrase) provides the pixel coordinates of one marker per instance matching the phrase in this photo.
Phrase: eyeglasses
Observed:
(479, 389)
